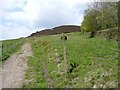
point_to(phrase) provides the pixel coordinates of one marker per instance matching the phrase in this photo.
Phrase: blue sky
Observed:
(20, 18)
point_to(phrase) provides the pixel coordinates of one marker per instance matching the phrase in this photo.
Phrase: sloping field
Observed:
(91, 62)
(8, 47)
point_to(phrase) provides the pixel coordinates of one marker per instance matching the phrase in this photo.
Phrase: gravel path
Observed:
(13, 70)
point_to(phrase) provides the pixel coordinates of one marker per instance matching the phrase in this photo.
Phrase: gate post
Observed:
(64, 38)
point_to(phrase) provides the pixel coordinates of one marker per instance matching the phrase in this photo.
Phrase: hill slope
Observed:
(96, 63)
(57, 30)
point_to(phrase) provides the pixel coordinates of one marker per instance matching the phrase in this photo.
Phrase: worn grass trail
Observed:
(14, 68)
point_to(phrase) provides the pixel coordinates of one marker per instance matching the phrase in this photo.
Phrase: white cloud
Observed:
(13, 32)
(21, 17)
(11, 4)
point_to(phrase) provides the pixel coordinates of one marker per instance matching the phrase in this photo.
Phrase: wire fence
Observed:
(9, 47)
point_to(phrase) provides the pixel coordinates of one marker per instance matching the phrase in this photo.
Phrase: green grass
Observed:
(96, 59)
(8, 47)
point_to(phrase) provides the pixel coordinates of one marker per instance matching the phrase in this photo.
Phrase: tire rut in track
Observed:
(46, 76)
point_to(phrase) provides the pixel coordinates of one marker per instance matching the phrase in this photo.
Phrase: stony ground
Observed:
(13, 70)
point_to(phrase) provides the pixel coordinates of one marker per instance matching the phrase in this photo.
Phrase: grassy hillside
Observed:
(0, 52)
(96, 60)
(8, 47)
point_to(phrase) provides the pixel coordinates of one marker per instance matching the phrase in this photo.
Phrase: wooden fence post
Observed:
(2, 49)
(11, 46)
(64, 38)
(7, 47)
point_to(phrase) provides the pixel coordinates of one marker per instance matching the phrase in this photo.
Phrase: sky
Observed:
(20, 18)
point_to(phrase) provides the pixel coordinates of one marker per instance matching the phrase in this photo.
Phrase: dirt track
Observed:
(13, 70)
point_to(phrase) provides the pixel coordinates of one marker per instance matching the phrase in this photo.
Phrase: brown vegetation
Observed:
(57, 30)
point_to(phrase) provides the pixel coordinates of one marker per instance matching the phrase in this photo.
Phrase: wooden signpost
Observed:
(64, 38)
